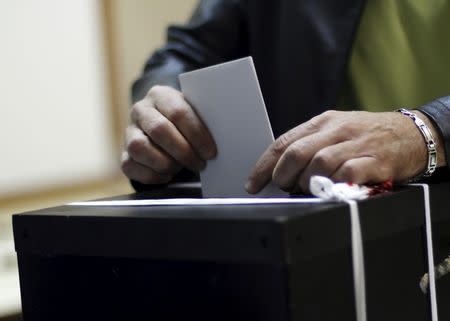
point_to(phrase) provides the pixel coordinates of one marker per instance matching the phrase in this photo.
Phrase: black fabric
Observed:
(439, 112)
(184, 175)
(300, 49)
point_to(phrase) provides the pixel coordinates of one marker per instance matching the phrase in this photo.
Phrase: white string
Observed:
(326, 189)
(359, 279)
(430, 254)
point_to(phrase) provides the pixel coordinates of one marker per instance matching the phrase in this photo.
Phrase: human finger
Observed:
(138, 172)
(143, 151)
(164, 134)
(300, 154)
(261, 174)
(327, 160)
(174, 107)
(362, 170)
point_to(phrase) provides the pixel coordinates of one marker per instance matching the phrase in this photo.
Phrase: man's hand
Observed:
(359, 147)
(164, 135)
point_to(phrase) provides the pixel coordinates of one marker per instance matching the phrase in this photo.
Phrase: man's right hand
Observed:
(165, 134)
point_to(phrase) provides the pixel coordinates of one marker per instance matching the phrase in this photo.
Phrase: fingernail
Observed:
(249, 187)
(208, 153)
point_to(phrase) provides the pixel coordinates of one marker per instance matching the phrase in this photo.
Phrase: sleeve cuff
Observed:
(438, 111)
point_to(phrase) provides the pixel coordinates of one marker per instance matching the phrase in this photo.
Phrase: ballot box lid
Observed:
(271, 233)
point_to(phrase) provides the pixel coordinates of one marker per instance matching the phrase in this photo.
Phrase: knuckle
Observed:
(155, 91)
(178, 111)
(324, 118)
(294, 154)
(346, 130)
(136, 146)
(322, 160)
(143, 175)
(136, 111)
(349, 172)
(281, 144)
(314, 124)
(157, 128)
(330, 113)
(126, 165)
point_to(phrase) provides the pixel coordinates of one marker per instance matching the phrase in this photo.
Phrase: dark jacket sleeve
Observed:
(215, 33)
(438, 111)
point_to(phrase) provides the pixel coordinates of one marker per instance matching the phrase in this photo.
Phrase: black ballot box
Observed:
(277, 262)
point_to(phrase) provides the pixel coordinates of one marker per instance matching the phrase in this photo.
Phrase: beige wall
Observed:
(54, 116)
(64, 104)
(137, 28)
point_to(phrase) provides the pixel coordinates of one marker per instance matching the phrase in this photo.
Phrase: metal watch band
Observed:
(429, 141)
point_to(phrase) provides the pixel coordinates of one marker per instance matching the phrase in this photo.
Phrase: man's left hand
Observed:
(355, 146)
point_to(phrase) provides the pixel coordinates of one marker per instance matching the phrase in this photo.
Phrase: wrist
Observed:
(437, 138)
(428, 155)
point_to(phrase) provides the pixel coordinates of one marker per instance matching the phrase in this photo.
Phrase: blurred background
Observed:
(66, 69)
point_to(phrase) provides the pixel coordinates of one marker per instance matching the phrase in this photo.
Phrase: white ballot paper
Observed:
(228, 99)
